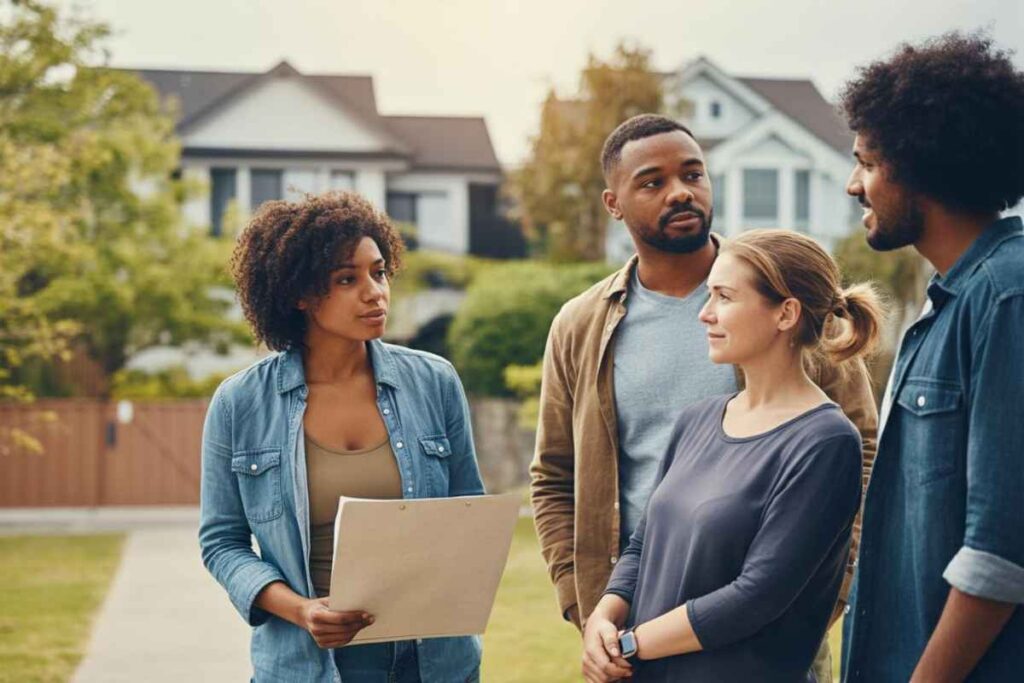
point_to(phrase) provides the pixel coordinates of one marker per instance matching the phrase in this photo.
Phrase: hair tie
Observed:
(839, 305)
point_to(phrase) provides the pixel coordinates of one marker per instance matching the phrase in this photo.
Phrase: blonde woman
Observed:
(736, 567)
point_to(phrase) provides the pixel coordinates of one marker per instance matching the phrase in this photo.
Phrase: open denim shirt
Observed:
(254, 484)
(945, 505)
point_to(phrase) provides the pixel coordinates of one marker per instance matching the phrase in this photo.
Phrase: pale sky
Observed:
(497, 58)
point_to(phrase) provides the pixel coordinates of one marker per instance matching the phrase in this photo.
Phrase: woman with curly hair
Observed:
(734, 570)
(334, 412)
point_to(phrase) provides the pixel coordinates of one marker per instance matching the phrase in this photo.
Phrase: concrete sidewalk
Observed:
(165, 618)
(96, 520)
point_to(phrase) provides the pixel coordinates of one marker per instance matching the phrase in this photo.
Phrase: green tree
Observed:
(558, 190)
(92, 245)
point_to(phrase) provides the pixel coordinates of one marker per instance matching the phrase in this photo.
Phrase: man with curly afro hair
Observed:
(939, 155)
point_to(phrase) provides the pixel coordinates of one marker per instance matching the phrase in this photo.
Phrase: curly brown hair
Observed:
(288, 252)
(948, 116)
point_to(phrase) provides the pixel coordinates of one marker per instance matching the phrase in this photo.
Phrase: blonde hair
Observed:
(839, 323)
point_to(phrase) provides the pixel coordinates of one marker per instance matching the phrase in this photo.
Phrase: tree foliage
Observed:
(558, 190)
(92, 245)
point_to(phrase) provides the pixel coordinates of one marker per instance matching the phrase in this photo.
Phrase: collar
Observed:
(291, 375)
(619, 283)
(942, 288)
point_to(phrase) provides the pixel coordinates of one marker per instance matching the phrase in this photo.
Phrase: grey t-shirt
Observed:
(752, 534)
(661, 365)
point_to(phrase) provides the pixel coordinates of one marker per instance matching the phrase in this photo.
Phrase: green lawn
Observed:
(50, 587)
(525, 639)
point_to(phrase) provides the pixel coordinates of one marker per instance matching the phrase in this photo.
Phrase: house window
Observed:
(716, 109)
(265, 185)
(223, 189)
(802, 192)
(761, 194)
(718, 191)
(343, 180)
(401, 206)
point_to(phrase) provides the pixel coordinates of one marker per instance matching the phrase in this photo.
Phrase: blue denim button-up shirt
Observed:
(254, 483)
(945, 505)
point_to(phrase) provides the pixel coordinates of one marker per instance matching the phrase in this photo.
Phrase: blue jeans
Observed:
(395, 662)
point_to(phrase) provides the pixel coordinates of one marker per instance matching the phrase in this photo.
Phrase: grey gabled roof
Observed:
(447, 141)
(434, 142)
(802, 102)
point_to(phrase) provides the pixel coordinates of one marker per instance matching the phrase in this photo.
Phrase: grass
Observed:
(526, 640)
(50, 588)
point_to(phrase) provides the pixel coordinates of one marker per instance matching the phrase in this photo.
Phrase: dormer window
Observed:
(716, 109)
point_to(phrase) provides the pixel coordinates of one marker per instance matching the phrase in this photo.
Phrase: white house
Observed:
(252, 137)
(777, 153)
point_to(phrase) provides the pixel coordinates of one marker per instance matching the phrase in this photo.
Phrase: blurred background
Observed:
(137, 138)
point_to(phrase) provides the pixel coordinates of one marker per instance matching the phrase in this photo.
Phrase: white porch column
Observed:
(734, 202)
(243, 195)
(197, 209)
(373, 186)
(787, 197)
(460, 214)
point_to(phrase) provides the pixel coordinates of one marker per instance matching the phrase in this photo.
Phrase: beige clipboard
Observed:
(424, 568)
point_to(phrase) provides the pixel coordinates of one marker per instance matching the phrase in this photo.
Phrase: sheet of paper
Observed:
(424, 568)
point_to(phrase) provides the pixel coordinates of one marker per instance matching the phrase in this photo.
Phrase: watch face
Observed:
(627, 641)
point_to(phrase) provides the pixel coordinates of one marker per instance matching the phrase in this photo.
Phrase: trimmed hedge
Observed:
(506, 316)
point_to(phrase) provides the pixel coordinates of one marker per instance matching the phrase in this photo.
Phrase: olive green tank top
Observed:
(370, 473)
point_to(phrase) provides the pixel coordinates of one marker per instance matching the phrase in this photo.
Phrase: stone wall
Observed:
(503, 447)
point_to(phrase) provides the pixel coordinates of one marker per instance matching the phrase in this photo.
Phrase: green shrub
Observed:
(524, 381)
(171, 383)
(505, 318)
(431, 269)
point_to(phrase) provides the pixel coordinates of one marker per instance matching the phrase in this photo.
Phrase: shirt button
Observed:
(399, 445)
(846, 610)
(611, 326)
(254, 467)
(440, 449)
(921, 401)
(616, 505)
(419, 641)
(614, 559)
(409, 489)
(386, 411)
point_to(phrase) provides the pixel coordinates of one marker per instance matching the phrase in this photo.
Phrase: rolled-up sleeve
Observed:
(225, 538)
(991, 562)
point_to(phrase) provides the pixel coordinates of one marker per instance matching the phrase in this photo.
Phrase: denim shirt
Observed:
(254, 484)
(945, 504)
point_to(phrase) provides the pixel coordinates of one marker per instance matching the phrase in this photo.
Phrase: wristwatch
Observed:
(627, 644)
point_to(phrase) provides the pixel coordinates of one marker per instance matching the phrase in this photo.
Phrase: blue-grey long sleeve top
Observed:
(751, 534)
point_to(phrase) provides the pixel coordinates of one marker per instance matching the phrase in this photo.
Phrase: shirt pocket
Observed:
(436, 451)
(934, 429)
(259, 482)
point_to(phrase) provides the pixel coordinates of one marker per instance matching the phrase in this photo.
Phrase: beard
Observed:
(682, 244)
(897, 227)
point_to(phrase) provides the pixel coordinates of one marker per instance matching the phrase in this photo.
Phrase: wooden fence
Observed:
(90, 458)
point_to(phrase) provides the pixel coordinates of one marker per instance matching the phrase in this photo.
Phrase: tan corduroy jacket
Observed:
(574, 474)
